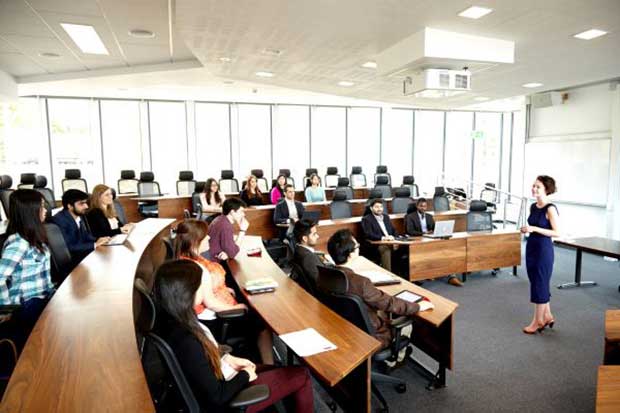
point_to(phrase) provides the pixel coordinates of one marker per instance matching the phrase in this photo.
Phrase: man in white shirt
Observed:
(377, 226)
(287, 212)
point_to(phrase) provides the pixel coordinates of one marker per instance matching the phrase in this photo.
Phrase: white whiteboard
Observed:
(580, 168)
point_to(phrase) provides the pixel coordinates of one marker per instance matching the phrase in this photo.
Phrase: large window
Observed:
(487, 148)
(396, 147)
(253, 140)
(122, 139)
(518, 153)
(75, 140)
(328, 139)
(291, 141)
(428, 147)
(363, 139)
(507, 131)
(168, 143)
(212, 140)
(23, 142)
(458, 148)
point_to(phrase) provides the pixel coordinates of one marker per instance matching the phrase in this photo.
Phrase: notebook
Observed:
(379, 277)
(261, 285)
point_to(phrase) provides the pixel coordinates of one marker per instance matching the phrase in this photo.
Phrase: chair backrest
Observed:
(73, 180)
(26, 181)
(128, 184)
(479, 221)
(489, 195)
(61, 257)
(228, 183)
(287, 173)
(5, 192)
(339, 207)
(382, 170)
(300, 277)
(459, 192)
(309, 172)
(331, 177)
(147, 185)
(261, 181)
(40, 185)
(409, 182)
(357, 177)
(441, 203)
(169, 245)
(382, 183)
(186, 183)
(120, 211)
(343, 185)
(401, 200)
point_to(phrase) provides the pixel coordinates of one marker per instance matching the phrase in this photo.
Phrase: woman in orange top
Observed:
(191, 240)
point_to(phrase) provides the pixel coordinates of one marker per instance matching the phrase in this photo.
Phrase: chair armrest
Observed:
(231, 314)
(401, 322)
(250, 395)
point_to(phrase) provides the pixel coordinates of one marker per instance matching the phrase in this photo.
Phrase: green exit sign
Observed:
(477, 134)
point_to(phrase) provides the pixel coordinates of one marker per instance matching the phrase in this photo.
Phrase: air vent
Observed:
(461, 81)
(444, 80)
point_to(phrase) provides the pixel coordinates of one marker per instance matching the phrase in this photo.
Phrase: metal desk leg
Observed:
(514, 270)
(578, 282)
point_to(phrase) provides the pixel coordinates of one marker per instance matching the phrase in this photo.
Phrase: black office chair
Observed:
(309, 172)
(409, 182)
(382, 170)
(331, 177)
(358, 179)
(401, 200)
(26, 181)
(120, 211)
(40, 185)
(128, 184)
(375, 194)
(441, 203)
(61, 257)
(287, 174)
(5, 193)
(440, 190)
(228, 182)
(73, 180)
(478, 218)
(148, 186)
(333, 289)
(339, 207)
(382, 183)
(186, 183)
(343, 185)
(163, 372)
(300, 277)
(261, 181)
(196, 203)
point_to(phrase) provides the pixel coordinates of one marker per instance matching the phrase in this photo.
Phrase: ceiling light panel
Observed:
(264, 74)
(590, 34)
(370, 65)
(86, 38)
(475, 12)
(532, 85)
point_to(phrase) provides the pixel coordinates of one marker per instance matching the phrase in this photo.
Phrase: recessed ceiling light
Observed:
(86, 38)
(228, 82)
(475, 12)
(345, 83)
(532, 85)
(481, 98)
(225, 59)
(370, 65)
(590, 34)
(141, 33)
(49, 55)
(272, 52)
(264, 74)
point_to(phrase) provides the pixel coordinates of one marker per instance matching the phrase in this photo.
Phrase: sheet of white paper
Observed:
(375, 276)
(307, 342)
(207, 315)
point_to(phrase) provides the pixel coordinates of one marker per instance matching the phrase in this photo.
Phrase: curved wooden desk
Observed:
(82, 354)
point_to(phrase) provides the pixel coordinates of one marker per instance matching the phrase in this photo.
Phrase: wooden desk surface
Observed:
(82, 355)
(594, 245)
(158, 197)
(290, 308)
(612, 325)
(608, 389)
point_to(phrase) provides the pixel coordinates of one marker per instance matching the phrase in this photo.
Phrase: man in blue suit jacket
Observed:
(378, 227)
(73, 226)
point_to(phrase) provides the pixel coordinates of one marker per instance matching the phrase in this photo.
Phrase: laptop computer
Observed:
(443, 229)
(119, 239)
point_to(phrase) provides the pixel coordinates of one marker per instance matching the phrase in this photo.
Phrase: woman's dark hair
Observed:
(548, 182)
(276, 185)
(24, 218)
(176, 283)
(310, 180)
(257, 192)
(207, 191)
(232, 204)
(189, 234)
(341, 245)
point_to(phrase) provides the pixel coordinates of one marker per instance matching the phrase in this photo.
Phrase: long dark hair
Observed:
(257, 192)
(189, 234)
(24, 218)
(207, 191)
(176, 283)
(276, 185)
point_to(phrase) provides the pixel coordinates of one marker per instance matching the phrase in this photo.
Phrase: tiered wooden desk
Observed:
(612, 337)
(82, 355)
(608, 389)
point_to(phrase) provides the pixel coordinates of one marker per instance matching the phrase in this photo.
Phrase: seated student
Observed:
(221, 232)
(25, 278)
(288, 211)
(211, 199)
(344, 250)
(418, 222)
(314, 192)
(306, 237)
(70, 220)
(214, 379)
(101, 216)
(251, 194)
(378, 227)
(277, 191)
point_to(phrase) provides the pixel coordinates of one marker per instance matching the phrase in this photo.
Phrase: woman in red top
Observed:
(191, 240)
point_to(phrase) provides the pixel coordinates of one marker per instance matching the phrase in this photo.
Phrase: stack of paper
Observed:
(307, 342)
(379, 277)
(259, 285)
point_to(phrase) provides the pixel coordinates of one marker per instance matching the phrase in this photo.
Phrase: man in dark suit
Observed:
(287, 212)
(72, 223)
(378, 227)
(305, 257)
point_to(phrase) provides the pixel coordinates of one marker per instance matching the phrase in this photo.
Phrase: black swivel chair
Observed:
(287, 174)
(5, 193)
(409, 182)
(441, 203)
(339, 207)
(73, 180)
(401, 200)
(61, 257)
(196, 203)
(261, 181)
(228, 182)
(148, 186)
(128, 184)
(163, 372)
(382, 171)
(26, 181)
(478, 218)
(186, 183)
(309, 172)
(382, 183)
(358, 179)
(331, 177)
(343, 185)
(333, 286)
(40, 185)
(120, 211)
(375, 194)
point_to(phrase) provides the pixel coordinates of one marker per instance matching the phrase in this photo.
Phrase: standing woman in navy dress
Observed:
(543, 223)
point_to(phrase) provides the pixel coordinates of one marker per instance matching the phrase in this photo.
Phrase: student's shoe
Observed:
(453, 280)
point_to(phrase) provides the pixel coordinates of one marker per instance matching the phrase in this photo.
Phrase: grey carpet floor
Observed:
(497, 368)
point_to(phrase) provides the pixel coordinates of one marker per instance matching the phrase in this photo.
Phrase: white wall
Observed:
(8, 87)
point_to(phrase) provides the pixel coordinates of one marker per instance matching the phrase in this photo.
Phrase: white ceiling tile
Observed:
(17, 64)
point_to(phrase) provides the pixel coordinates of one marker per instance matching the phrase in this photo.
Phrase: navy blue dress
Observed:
(539, 256)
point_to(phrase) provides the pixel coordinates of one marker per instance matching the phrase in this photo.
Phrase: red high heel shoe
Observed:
(540, 328)
(550, 323)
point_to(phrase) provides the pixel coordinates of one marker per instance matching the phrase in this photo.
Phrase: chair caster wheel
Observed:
(494, 273)
(401, 388)
(332, 406)
(619, 288)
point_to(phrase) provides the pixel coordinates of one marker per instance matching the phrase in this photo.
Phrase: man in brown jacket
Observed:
(344, 249)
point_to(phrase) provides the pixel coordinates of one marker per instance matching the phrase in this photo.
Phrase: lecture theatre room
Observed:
(294, 206)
